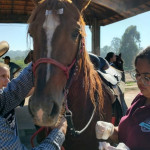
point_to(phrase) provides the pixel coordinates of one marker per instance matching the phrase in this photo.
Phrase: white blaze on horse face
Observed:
(50, 25)
(40, 114)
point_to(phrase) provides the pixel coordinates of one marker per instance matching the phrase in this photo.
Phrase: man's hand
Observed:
(62, 126)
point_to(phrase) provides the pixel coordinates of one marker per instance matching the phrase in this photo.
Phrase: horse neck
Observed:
(79, 97)
(79, 103)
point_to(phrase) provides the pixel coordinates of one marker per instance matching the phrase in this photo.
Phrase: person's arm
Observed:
(54, 141)
(8, 141)
(56, 138)
(16, 91)
(114, 136)
(16, 70)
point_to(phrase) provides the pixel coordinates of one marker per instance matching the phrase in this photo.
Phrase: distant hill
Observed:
(16, 55)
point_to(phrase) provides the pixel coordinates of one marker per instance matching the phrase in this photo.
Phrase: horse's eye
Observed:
(75, 34)
(30, 34)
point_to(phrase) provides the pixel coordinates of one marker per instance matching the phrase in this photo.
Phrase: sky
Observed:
(16, 34)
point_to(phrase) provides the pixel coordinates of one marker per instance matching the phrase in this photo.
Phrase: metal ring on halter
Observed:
(68, 113)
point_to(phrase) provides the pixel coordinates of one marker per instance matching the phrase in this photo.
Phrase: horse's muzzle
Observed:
(44, 114)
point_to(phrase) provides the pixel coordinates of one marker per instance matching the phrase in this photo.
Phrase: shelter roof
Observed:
(105, 11)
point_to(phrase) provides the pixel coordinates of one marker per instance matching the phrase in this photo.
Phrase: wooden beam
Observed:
(95, 37)
(13, 18)
(121, 7)
(114, 5)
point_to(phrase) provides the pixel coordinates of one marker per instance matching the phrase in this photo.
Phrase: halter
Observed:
(64, 68)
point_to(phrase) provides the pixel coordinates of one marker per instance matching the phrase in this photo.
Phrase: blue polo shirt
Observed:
(13, 67)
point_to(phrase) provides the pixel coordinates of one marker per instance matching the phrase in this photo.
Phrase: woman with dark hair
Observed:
(134, 127)
(111, 58)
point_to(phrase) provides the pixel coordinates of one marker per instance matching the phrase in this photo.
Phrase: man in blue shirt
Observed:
(10, 98)
(14, 68)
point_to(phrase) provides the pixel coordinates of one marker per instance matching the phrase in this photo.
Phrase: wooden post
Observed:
(95, 37)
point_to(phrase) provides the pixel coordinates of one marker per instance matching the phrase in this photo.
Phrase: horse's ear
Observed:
(120, 55)
(36, 2)
(81, 4)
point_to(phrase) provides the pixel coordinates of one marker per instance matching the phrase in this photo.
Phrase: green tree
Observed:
(105, 50)
(115, 45)
(130, 45)
(19, 62)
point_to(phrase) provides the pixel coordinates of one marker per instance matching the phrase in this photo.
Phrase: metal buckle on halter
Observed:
(71, 129)
(68, 113)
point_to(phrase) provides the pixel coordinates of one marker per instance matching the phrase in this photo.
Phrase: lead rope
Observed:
(38, 131)
(68, 116)
(42, 128)
(34, 135)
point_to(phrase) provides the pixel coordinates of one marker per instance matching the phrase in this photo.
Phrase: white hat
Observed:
(4, 47)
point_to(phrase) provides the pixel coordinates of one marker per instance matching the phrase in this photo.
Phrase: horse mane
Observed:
(92, 82)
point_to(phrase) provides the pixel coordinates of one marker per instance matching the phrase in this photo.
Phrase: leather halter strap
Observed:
(66, 69)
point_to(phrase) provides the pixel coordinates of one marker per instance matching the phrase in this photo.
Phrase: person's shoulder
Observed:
(139, 97)
(11, 63)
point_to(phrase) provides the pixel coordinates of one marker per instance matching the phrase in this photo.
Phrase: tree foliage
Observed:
(115, 45)
(17, 57)
(130, 45)
(105, 50)
(19, 62)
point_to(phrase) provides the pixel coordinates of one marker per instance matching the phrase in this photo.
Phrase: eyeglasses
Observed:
(144, 77)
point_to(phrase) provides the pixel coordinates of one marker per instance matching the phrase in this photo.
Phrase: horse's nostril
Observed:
(55, 110)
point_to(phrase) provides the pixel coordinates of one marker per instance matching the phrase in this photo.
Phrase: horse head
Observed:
(119, 62)
(57, 29)
(29, 57)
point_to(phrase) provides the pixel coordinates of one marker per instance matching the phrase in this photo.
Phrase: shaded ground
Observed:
(131, 89)
(25, 125)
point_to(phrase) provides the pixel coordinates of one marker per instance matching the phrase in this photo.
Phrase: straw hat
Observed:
(4, 47)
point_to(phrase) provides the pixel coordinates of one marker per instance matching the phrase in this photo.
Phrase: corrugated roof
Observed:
(106, 11)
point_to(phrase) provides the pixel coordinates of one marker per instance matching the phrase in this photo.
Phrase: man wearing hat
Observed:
(13, 67)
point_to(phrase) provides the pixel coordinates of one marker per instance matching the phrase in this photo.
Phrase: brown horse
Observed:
(119, 65)
(64, 74)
